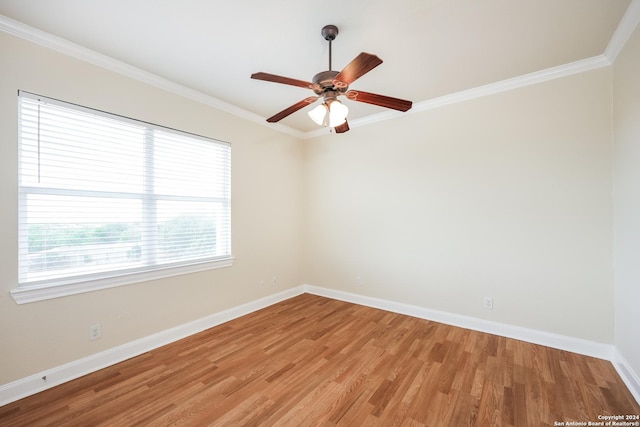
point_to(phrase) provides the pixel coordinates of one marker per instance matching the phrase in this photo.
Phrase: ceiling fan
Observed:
(330, 84)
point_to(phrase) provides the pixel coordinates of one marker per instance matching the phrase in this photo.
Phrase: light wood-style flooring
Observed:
(313, 361)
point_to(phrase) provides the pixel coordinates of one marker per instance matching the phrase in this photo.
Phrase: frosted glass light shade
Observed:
(332, 114)
(337, 113)
(318, 114)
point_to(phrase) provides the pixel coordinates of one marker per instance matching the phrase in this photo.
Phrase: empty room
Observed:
(292, 213)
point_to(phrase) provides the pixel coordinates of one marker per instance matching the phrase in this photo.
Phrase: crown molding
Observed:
(480, 91)
(66, 47)
(515, 83)
(627, 25)
(625, 28)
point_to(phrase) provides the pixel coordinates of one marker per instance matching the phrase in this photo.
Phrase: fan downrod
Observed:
(329, 32)
(323, 81)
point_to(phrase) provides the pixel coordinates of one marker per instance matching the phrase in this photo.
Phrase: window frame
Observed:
(44, 289)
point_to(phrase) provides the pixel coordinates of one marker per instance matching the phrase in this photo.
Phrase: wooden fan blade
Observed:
(381, 100)
(295, 107)
(280, 79)
(357, 68)
(342, 128)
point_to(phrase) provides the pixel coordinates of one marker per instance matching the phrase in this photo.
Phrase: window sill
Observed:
(27, 294)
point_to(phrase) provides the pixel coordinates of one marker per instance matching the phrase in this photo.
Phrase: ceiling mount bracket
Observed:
(329, 32)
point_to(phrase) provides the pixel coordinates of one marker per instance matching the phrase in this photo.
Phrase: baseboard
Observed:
(548, 339)
(628, 375)
(35, 383)
(562, 342)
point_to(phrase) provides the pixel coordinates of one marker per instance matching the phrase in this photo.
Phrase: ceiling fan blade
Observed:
(380, 100)
(280, 79)
(295, 107)
(342, 128)
(357, 68)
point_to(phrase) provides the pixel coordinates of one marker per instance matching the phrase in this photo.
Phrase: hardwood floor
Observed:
(313, 361)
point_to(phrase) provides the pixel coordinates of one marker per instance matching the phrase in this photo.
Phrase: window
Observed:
(106, 200)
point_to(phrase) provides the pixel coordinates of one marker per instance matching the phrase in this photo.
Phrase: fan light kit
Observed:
(330, 113)
(330, 84)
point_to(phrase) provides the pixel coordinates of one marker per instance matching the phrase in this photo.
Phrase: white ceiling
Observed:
(430, 48)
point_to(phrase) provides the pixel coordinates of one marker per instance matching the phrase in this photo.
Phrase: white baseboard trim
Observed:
(626, 372)
(34, 383)
(562, 342)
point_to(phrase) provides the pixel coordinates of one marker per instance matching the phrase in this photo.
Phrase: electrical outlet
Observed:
(488, 303)
(358, 282)
(261, 283)
(95, 331)
(274, 281)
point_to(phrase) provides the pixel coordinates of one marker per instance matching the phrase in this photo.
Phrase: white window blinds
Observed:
(103, 196)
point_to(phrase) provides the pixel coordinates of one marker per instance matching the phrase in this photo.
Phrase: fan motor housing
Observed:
(323, 81)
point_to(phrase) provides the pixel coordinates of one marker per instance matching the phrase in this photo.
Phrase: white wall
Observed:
(506, 196)
(266, 203)
(626, 158)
